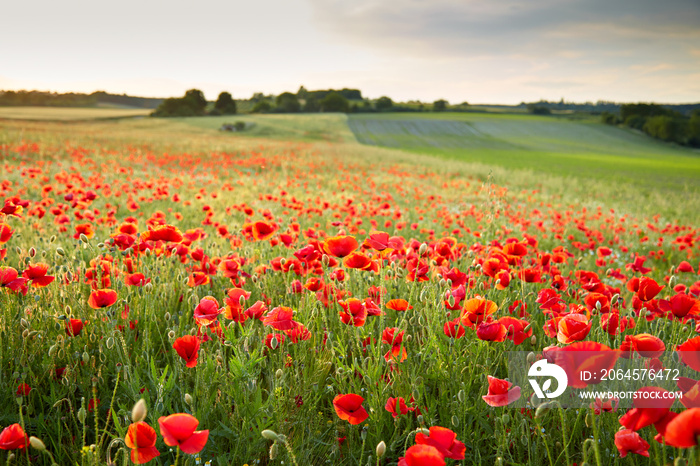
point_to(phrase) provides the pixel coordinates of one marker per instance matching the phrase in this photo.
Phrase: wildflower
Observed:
(188, 349)
(179, 430)
(349, 408)
(141, 438)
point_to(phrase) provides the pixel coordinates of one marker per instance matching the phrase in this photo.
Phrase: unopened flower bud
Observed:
(36, 443)
(139, 411)
(270, 435)
(381, 449)
(188, 399)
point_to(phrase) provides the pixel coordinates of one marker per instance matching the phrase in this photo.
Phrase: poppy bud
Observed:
(60, 251)
(171, 334)
(25, 334)
(139, 411)
(680, 462)
(499, 461)
(188, 399)
(83, 238)
(415, 394)
(423, 249)
(505, 418)
(270, 435)
(10, 458)
(531, 357)
(241, 300)
(455, 421)
(24, 323)
(672, 281)
(82, 414)
(52, 239)
(167, 317)
(274, 449)
(52, 350)
(32, 251)
(86, 357)
(442, 283)
(381, 449)
(279, 374)
(325, 260)
(614, 299)
(451, 300)
(461, 396)
(36, 443)
(588, 420)
(533, 340)
(110, 345)
(363, 434)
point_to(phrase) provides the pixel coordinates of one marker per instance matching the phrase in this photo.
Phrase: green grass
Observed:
(552, 145)
(68, 114)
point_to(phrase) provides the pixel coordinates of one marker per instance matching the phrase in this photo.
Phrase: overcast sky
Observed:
(479, 51)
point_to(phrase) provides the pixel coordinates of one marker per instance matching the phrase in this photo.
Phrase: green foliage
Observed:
(225, 104)
(609, 118)
(440, 105)
(334, 102)
(287, 103)
(192, 103)
(383, 104)
(538, 110)
(262, 106)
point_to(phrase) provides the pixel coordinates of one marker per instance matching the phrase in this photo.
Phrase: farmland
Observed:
(68, 113)
(345, 298)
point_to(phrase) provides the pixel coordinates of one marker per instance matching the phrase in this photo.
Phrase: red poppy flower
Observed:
(298, 333)
(36, 274)
(422, 455)
(102, 298)
(685, 267)
(13, 438)
(136, 279)
(648, 289)
(141, 438)
(349, 408)
(360, 261)
(167, 233)
(396, 406)
(648, 409)
(354, 312)
(398, 305)
(501, 392)
(5, 233)
(453, 329)
(690, 353)
(491, 331)
(476, 310)
(207, 311)
(647, 345)
(179, 430)
(340, 246)
(516, 329)
(188, 349)
(74, 327)
(256, 311)
(198, 279)
(584, 356)
(280, 318)
(683, 430)
(444, 440)
(573, 327)
(629, 441)
(23, 389)
(680, 305)
(9, 278)
(263, 230)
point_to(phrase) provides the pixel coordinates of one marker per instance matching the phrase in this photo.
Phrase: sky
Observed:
(476, 51)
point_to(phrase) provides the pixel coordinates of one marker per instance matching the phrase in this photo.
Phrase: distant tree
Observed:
(440, 105)
(312, 104)
(335, 102)
(225, 104)
(195, 99)
(287, 103)
(538, 109)
(302, 93)
(383, 104)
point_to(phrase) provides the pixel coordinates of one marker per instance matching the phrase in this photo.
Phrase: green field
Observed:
(554, 145)
(67, 114)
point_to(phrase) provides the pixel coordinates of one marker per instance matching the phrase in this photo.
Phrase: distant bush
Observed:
(383, 104)
(609, 118)
(287, 103)
(538, 110)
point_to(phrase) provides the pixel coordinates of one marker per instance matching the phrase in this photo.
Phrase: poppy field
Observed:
(174, 295)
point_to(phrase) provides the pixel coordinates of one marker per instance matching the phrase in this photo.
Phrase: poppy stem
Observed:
(177, 456)
(563, 433)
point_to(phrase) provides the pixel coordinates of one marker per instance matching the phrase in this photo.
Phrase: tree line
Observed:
(659, 122)
(53, 99)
